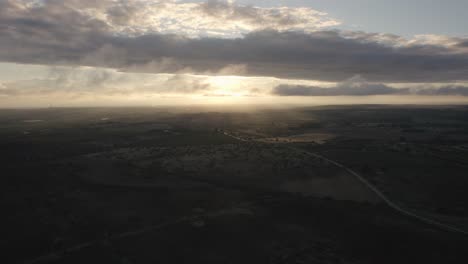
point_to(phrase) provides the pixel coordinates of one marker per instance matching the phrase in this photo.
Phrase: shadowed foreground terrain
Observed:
(154, 185)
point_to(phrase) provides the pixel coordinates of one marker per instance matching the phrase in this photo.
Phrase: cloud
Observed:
(323, 55)
(301, 90)
(173, 66)
(211, 18)
(463, 44)
(3, 90)
(140, 17)
(249, 18)
(181, 84)
(80, 81)
(357, 86)
(75, 81)
(218, 38)
(457, 90)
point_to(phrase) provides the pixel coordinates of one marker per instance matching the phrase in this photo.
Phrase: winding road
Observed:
(375, 190)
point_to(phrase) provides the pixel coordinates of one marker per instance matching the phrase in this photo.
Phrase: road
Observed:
(375, 190)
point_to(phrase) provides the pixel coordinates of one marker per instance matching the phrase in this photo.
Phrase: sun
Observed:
(227, 85)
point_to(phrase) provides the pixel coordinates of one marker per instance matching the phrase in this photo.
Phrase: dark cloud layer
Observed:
(58, 33)
(446, 90)
(366, 89)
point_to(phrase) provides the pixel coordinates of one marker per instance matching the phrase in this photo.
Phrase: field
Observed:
(200, 185)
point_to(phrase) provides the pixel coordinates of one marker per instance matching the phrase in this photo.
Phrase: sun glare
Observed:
(226, 85)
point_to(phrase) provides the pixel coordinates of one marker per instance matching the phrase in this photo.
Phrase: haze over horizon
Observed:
(150, 53)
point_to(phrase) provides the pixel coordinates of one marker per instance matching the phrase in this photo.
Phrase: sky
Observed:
(162, 52)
